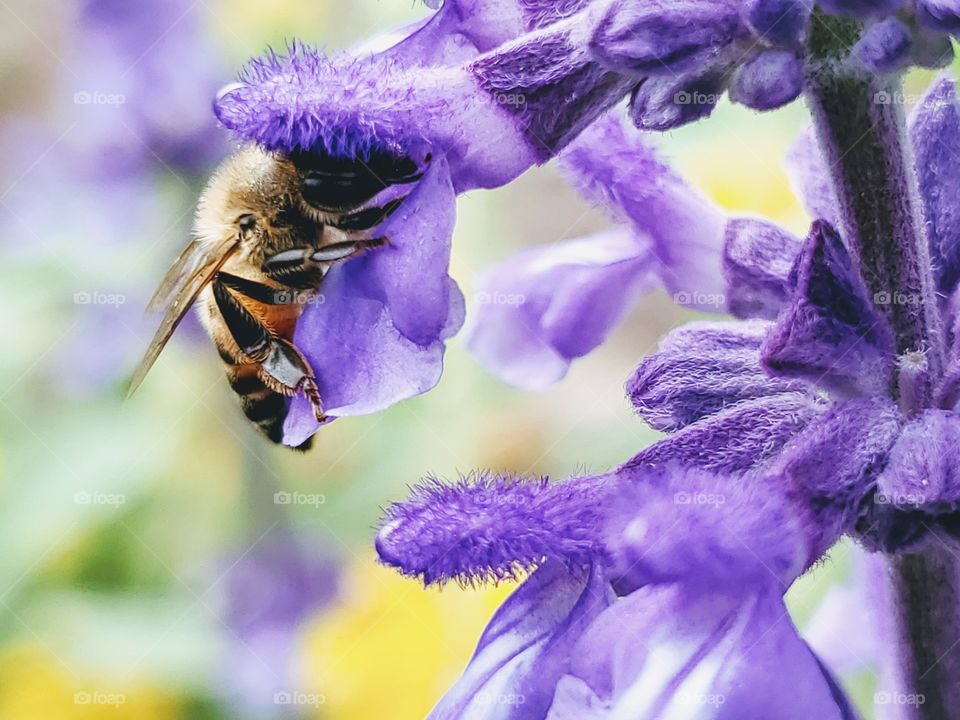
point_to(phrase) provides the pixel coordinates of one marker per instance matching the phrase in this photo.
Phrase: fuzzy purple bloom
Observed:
(512, 526)
(830, 340)
(885, 46)
(758, 257)
(769, 80)
(935, 133)
(781, 22)
(561, 648)
(663, 36)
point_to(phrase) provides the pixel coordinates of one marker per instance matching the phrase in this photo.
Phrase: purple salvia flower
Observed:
(700, 571)
(769, 80)
(500, 86)
(378, 337)
(862, 451)
(758, 258)
(781, 22)
(514, 525)
(885, 46)
(576, 292)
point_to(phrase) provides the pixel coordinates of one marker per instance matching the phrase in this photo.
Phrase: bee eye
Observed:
(247, 222)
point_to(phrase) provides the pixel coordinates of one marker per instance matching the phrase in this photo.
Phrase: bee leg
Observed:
(369, 218)
(286, 366)
(300, 260)
(282, 368)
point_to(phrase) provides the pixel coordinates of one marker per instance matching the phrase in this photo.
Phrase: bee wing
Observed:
(192, 271)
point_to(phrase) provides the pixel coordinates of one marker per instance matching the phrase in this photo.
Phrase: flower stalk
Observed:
(860, 124)
(861, 129)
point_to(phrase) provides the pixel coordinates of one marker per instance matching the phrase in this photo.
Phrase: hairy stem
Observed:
(860, 126)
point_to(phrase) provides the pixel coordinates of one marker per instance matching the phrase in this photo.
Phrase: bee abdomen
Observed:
(263, 407)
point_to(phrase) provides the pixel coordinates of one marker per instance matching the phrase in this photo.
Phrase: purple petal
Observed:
(493, 118)
(377, 337)
(460, 30)
(614, 166)
(757, 260)
(885, 46)
(769, 80)
(861, 9)
(526, 647)
(354, 106)
(835, 461)
(715, 337)
(700, 374)
(943, 15)
(491, 527)
(665, 103)
(737, 438)
(668, 652)
(831, 333)
(664, 37)
(545, 306)
(548, 305)
(810, 178)
(714, 532)
(935, 133)
(921, 480)
(781, 22)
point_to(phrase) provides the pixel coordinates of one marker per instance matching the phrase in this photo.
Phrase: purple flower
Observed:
(474, 96)
(828, 355)
(699, 562)
(378, 337)
(568, 296)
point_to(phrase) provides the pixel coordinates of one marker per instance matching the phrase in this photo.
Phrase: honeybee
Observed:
(268, 228)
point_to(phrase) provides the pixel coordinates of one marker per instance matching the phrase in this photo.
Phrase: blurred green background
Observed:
(149, 567)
